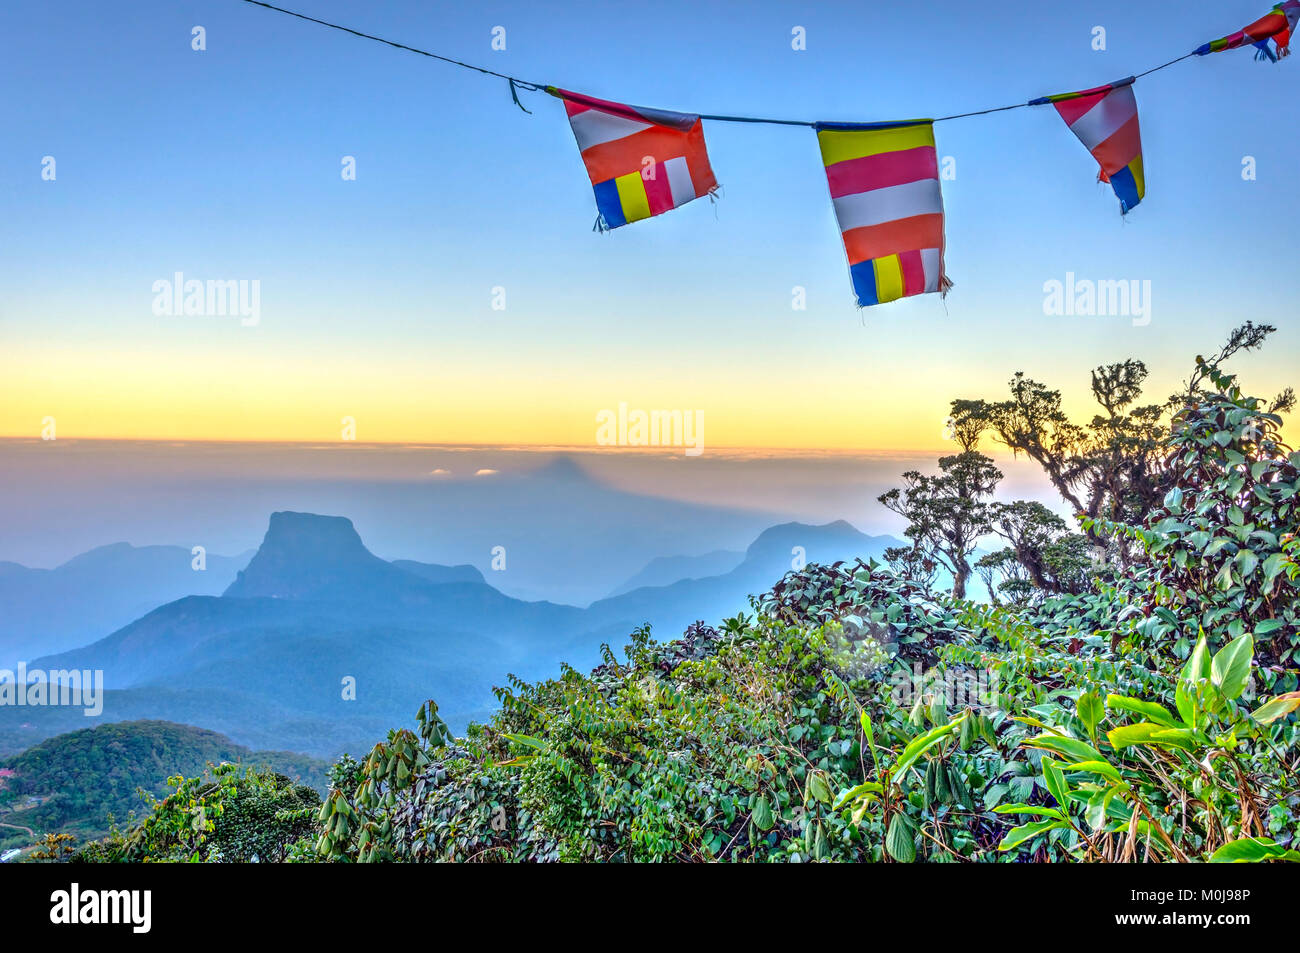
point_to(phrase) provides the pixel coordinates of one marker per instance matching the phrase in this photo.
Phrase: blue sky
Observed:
(225, 163)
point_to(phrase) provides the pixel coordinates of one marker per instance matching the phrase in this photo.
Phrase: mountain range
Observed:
(320, 646)
(49, 610)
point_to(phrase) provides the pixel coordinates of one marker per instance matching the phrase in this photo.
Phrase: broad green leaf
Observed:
(867, 791)
(1019, 835)
(1147, 733)
(900, 840)
(528, 741)
(762, 814)
(1276, 708)
(1054, 778)
(1185, 700)
(1071, 748)
(1231, 666)
(1034, 809)
(923, 743)
(1198, 663)
(1150, 710)
(1103, 768)
(817, 788)
(865, 720)
(1252, 850)
(1091, 710)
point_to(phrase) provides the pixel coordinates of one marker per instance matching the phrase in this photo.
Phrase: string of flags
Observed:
(883, 176)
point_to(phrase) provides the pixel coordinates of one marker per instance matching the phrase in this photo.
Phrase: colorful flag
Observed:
(641, 162)
(1106, 121)
(884, 180)
(1277, 25)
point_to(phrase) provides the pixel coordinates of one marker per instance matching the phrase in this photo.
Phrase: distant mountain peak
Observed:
(563, 467)
(306, 555)
(793, 532)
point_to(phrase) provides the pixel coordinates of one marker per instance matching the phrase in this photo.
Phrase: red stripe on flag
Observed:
(881, 171)
(658, 191)
(913, 272)
(1072, 109)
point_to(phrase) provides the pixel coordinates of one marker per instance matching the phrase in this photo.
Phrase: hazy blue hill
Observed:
(669, 609)
(50, 610)
(432, 572)
(84, 776)
(665, 570)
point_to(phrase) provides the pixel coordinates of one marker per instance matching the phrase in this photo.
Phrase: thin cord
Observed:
(770, 122)
(401, 46)
(1163, 65)
(983, 112)
(541, 87)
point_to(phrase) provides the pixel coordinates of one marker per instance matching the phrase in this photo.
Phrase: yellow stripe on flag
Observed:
(889, 278)
(839, 145)
(631, 195)
(1139, 177)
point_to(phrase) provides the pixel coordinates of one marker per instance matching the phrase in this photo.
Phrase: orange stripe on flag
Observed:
(1120, 148)
(609, 160)
(890, 238)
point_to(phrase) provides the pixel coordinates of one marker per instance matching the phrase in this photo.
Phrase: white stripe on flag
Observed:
(679, 181)
(888, 204)
(591, 127)
(930, 265)
(1104, 119)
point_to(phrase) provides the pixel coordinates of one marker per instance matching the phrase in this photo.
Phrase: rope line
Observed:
(517, 83)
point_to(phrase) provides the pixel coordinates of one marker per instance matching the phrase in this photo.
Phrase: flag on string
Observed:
(1106, 121)
(641, 162)
(884, 180)
(1277, 25)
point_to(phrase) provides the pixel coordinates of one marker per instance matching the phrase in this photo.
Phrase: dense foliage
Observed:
(228, 815)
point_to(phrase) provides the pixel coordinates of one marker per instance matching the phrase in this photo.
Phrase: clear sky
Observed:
(376, 294)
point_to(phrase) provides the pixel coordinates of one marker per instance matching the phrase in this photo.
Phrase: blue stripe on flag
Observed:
(864, 282)
(1125, 187)
(608, 204)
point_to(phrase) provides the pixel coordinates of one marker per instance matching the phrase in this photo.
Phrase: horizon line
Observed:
(462, 445)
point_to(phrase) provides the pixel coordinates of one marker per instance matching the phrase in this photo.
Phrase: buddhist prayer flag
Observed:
(641, 162)
(1106, 121)
(884, 180)
(1277, 25)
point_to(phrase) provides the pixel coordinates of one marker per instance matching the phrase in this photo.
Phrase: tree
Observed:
(948, 513)
(1110, 468)
(1054, 559)
(912, 563)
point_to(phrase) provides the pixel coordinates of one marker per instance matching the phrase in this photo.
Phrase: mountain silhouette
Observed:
(777, 550)
(665, 570)
(50, 610)
(308, 557)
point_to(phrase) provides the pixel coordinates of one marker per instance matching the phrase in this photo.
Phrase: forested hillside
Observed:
(76, 782)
